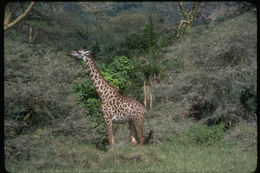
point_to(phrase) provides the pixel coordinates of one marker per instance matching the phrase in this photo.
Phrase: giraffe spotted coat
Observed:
(114, 108)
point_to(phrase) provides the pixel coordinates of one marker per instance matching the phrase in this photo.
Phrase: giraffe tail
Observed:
(151, 131)
(148, 137)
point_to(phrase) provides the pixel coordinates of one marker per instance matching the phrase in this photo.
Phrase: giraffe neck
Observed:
(103, 88)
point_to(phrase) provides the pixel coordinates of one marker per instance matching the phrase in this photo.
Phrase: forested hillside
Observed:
(196, 74)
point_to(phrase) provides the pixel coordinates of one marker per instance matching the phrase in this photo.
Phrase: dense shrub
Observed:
(149, 35)
(217, 80)
(144, 40)
(167, 39)
(118, 72)
(203, 134)
(133, 41)
(36, 80)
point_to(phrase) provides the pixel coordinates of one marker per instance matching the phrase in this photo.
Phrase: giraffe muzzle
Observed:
(73, 54)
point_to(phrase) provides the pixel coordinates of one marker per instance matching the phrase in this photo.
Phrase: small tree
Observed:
(188, 15)
(149, 35)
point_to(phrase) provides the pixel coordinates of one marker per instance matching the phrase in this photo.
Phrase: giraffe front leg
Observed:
(109, 131)
(139, 132)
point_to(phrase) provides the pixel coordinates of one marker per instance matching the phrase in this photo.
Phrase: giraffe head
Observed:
(80, 54)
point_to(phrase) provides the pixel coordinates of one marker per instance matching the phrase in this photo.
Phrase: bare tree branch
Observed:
(7, 18)
(8, 14)
(189, 15)
(183, 10)
(195, 9)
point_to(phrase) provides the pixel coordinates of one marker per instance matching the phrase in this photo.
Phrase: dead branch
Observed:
(8, 14)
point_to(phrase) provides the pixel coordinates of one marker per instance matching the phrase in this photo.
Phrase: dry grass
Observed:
(36, 80)
(217, 64)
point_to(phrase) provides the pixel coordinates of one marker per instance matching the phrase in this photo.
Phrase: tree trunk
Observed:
(145, 93)
(31, 37)
(147, 96)
(8, 14)
(189, 15)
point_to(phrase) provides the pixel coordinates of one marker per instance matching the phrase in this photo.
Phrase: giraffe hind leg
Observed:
(139, 130)
(132, 134)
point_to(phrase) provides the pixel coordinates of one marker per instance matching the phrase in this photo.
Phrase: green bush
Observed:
(118, 72)
(85, 90)
(144, 40)
(133, 41)
(168, 39)
(149, 35)
(87, 94)
(203, 134)
(92, 106)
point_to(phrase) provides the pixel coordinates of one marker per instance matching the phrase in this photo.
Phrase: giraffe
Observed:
(114, 107)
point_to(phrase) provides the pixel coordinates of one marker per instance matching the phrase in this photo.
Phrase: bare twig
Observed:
(7, 18)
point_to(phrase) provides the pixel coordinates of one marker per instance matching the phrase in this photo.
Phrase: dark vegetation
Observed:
(203, 84)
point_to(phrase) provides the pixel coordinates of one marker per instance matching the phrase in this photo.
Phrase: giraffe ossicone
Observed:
(114, 107)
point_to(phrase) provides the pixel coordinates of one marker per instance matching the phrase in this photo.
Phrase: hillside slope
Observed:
(212, 69)
(209, 72)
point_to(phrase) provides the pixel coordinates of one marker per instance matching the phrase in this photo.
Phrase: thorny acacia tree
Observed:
(189, 15)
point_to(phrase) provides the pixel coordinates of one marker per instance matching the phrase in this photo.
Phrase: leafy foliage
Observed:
(133, 41)
(86, 93)
(149, 35)
(144, 41)
(203, 134)
(118, 72)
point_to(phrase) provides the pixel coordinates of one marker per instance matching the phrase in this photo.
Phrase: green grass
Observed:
(73, 154)
(163, 157)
